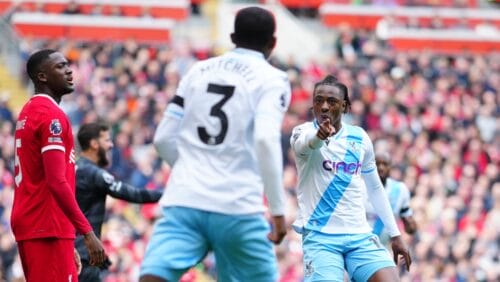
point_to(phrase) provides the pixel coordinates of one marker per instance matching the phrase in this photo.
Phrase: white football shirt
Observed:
(218, 103)
(331, 188)
(399, 198)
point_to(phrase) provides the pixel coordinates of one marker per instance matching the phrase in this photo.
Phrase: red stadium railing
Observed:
(449, 41)
(368, 16)
(302, 3)
(173, 9)
(316, 3)
(85, 27)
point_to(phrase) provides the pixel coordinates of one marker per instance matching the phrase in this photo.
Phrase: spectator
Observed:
(72, 8)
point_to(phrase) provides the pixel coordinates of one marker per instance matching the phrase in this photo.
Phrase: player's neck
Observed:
(91, 156)
(338, 126)
(45, 91)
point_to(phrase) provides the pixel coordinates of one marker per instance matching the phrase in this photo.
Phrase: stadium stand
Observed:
(407, 28)
(96, 20)
(172, 9)
(437, 112)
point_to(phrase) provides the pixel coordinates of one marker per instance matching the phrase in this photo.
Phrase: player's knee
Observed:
(388, 274)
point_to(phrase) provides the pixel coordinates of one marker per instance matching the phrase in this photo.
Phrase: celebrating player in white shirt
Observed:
(399, 198)
(335, 162)
(221, 134)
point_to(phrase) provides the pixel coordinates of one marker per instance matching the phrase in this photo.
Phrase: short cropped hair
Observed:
(88, 132)
(384, 156)
(332, 80)
(254, 27)
(35, 60)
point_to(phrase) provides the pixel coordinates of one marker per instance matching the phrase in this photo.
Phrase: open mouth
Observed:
(70, 80)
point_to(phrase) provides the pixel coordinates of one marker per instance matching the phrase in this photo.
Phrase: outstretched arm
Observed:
(124, 191)
(132, 194)
(303, 142)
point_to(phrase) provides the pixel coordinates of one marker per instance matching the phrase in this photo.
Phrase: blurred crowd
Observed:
(437, 115)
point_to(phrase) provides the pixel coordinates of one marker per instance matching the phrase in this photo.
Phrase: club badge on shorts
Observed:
(55, 127)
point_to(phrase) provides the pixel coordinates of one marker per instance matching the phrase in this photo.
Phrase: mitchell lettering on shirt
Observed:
(232, 65)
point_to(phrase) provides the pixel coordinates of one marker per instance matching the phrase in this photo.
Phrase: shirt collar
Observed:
(46, 96)
(248, 52)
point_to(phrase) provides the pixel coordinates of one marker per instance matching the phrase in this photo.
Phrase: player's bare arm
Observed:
(399, 248)
(95, 248)
(278, 230)
(409, 224)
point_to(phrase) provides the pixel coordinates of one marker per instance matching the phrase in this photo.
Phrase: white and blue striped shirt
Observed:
(333, 179)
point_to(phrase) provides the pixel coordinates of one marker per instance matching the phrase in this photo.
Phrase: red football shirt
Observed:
(42, 126)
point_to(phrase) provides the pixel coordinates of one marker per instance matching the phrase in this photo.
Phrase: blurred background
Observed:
(424, 80)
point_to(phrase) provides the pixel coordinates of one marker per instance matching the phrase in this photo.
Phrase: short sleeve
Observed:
(406, 210)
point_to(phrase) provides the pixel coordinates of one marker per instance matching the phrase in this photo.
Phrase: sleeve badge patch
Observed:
(107, 177)
(55, 127)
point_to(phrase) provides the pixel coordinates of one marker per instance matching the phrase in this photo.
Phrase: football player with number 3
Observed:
(45, 212)
(221, 135)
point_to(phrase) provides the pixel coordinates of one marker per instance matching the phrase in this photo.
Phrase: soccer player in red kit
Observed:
(45, 212)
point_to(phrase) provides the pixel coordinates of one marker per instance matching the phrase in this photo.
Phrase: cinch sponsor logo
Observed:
(350, 168)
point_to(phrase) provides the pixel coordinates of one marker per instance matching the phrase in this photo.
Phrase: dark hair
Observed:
(384, 155)
(253, 27)
(88, 132)
(35, 60)
(332, 80)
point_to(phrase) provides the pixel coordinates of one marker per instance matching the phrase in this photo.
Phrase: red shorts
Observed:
(48, 259)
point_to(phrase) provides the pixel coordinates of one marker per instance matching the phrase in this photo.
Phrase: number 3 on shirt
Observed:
(216, 111)
(19, 176)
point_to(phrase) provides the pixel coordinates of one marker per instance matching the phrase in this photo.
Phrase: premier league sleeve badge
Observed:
(55, 127)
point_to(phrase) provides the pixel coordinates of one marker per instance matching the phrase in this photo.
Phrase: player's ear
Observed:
(94, 144)
(272, 43)
(41, 76)
(344, 107)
